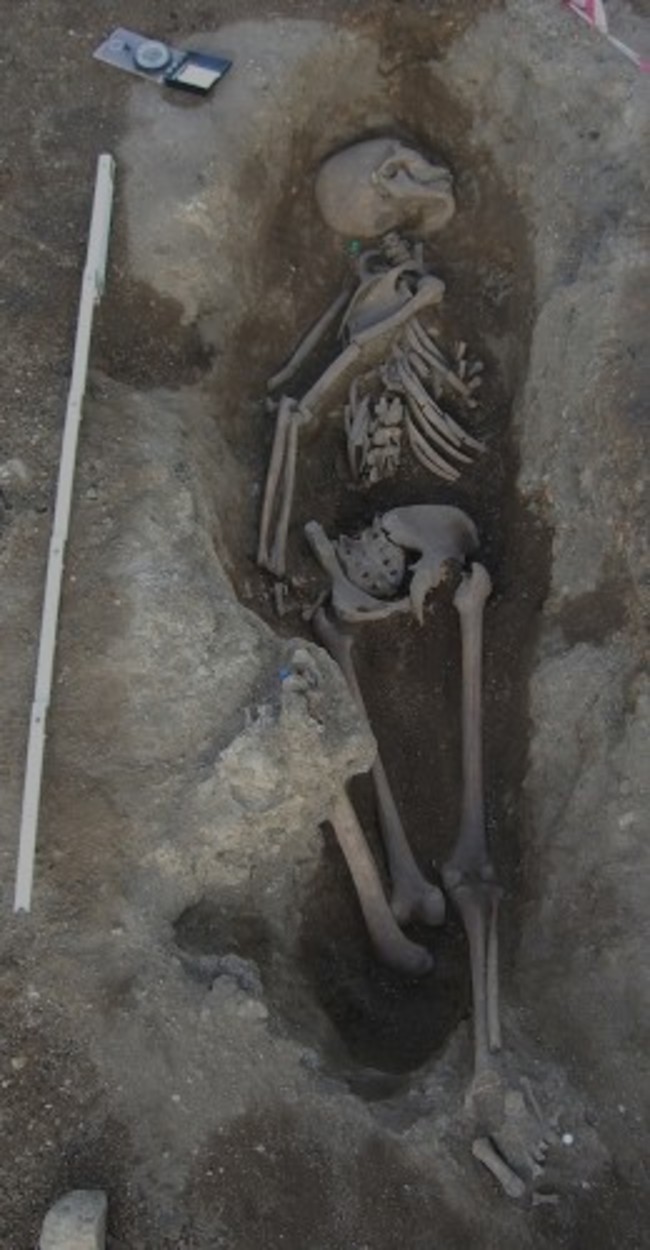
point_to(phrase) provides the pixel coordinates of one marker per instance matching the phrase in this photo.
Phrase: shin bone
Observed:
(468, 874)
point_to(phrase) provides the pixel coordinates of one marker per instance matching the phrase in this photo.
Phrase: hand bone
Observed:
(516, 1135)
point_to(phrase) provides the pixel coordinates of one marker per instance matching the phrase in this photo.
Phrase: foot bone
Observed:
(511, 1184)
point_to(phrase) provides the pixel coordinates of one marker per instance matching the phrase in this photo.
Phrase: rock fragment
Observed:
(76, 1222)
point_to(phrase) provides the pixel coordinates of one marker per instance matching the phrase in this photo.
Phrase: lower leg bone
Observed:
(468, 874)
(392, 947)
(413, 897)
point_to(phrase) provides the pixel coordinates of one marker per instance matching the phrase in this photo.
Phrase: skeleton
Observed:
(393, 383)
(390, 375)
(367, 584)
(363, 572)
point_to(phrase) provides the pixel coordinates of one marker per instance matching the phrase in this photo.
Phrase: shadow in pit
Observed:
(359, 1022)
(388, 1024)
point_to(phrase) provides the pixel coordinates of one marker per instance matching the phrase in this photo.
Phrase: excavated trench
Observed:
(334, 996)
(225, 262)
(198, 1023)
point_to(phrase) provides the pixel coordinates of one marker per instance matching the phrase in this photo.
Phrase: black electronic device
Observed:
(151, 58)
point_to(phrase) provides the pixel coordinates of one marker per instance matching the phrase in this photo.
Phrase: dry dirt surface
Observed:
(192, 1017)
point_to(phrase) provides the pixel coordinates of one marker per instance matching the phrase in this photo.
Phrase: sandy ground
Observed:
(307, 1098)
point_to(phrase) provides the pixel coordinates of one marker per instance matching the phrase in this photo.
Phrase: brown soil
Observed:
(279, 1174)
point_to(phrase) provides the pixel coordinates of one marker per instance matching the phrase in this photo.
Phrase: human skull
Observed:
(380, 185)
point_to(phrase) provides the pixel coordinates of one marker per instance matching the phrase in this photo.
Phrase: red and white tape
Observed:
(593, 12)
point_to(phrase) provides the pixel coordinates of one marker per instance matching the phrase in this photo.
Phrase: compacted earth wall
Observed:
(198, 1025)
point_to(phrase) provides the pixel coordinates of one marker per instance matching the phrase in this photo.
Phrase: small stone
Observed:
(92, 492)
(18, 1062)
(14, 473)
(251, 1009)
(76, 1222)
(567, 1139)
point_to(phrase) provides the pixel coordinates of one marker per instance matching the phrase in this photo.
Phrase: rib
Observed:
(430, 431)
(428, 349)
(428, 458)
(452, 431)
(420, 397)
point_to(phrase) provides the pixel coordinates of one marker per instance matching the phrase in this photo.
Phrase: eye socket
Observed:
(392, 167)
